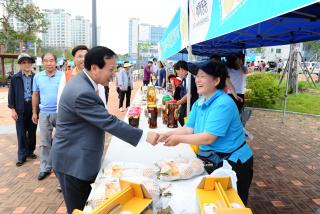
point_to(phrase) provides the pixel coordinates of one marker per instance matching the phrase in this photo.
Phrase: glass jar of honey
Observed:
(165, 102)
(173, 114)
(151, 95)
(152, 116)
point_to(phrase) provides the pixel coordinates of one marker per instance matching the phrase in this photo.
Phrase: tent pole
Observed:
(189, 59)
(287, 81)
(189, 81)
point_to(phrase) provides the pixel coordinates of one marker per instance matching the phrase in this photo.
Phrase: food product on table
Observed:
(177, 169)
(152, 117)
(173, 114)
(108, 184)
(108, 188)
(151, 95)
(165, 102)
(134, 116)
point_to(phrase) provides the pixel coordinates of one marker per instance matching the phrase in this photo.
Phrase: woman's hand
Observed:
(163, 137)
(239, 99)
(172, 140)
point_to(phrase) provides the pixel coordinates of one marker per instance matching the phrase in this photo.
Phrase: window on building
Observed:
(278, 50)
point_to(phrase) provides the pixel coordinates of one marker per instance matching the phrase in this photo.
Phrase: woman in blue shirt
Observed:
(214, 124)
(162, 75)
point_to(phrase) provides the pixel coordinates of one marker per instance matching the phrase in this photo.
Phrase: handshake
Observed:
(169, 140)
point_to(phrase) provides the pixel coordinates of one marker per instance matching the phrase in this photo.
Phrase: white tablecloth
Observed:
(183, 192)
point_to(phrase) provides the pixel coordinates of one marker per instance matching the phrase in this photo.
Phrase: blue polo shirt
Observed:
(219, 116)
(47, 86)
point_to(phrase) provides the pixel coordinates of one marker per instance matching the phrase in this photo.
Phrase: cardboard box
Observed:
(217, 195)
(133, 198)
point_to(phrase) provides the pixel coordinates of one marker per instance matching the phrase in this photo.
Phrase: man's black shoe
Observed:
(59, 188)
(32, 156)
(20, 163)
(43, 175)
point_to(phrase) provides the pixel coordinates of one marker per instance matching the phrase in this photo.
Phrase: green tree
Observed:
(259, 50)
(314, 46)
(35, 22)
(145, 46)
(123, 57)
(10, 9)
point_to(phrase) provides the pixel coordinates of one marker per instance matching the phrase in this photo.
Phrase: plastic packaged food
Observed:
(179, 168)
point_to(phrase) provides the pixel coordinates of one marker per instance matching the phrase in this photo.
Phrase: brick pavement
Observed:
(286, 177)
(20, 191)
(286, 165)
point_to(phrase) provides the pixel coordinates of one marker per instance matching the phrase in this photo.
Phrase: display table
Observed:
(183, 198)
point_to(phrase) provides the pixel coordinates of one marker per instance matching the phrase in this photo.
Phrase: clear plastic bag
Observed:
(226, 170)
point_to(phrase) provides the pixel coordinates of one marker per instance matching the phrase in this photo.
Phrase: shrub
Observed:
(264, 90)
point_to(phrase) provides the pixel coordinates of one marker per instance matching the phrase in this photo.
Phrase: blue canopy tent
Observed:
(294, 27)
(229, 26)
(258, 24)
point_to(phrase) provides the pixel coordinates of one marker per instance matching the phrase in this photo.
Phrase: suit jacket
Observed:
(16, 92)
(80, 130)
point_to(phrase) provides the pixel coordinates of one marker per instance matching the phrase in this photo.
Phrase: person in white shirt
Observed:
(78, 54)
(155, 70)
(237, 74)
(279, 66)
(125, 83)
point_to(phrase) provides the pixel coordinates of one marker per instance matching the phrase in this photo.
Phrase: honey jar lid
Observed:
(166, 98)
(152, 106)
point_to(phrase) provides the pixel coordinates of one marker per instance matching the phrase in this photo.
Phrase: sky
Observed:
(113, 16)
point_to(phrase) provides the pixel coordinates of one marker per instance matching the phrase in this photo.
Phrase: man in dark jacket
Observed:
(19, 101)
(182, 68)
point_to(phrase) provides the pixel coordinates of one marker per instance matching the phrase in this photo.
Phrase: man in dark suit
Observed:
(19, 101)
(81, 125)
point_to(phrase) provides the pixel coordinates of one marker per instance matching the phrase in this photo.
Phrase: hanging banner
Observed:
(175, 37)
(200, 19)
(171, 41)
(184, 29)
(212, 18)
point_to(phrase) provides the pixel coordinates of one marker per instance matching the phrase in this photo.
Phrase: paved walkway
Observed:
(286, 177)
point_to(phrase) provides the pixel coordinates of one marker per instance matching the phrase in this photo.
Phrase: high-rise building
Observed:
(133, 37)
(147, 36)
(59, 29)
(80, 29)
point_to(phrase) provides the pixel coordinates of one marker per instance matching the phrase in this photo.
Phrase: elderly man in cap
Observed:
(19, 101)
(125, 83)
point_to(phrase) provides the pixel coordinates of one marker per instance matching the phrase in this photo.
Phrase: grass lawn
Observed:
(264, 92)
(305, 102)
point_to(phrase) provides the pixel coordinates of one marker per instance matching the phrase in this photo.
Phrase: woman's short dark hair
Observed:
(181, 64)
(222, 73)
(161, 64)
(171, 76)
(78, 48)
(232, 62)
(217, 70)
(49, 53)
(97, 56)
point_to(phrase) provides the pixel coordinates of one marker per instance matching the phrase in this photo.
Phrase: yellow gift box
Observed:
(217, 194)
(133, 198)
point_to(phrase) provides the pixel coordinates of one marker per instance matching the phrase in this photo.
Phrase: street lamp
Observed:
(94, 23)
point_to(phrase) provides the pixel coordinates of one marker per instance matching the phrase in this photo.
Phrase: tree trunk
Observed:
(12, 66)
(293, 77)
